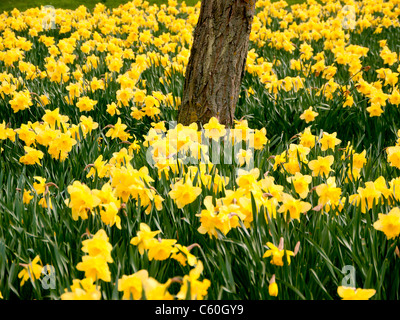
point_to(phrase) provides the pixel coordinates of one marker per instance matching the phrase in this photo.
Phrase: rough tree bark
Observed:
(217, 61)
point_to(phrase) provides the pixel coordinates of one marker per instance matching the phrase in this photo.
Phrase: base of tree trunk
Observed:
(216, 65)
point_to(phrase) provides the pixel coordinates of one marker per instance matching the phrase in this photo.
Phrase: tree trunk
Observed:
(217, 61)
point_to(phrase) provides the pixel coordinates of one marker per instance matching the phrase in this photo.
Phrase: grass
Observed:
(22, 5)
